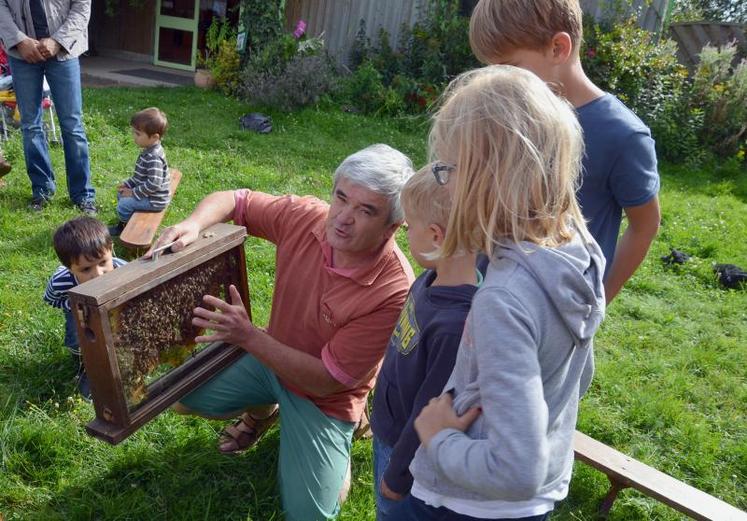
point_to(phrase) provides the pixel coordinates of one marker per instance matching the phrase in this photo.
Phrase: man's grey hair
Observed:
(381, 169)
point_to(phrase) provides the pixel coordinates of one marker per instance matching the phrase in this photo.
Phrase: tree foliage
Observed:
(710, 10)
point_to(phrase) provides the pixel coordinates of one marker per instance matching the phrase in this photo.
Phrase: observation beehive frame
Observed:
(136, 321)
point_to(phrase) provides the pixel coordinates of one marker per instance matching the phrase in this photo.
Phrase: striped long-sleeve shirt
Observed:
(63, 281)
(151, 179)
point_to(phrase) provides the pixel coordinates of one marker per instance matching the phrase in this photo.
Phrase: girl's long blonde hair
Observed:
(517, 150)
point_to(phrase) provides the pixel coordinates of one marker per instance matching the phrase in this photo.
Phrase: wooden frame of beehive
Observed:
(135, 329)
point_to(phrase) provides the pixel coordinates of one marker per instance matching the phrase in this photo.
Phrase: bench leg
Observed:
(615, 488)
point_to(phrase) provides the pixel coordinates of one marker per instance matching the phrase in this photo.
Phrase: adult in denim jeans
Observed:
(45, 38)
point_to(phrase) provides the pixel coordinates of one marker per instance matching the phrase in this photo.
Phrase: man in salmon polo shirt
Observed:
(340, 284)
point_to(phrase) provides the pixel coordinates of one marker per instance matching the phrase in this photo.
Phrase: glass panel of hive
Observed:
(153, 333)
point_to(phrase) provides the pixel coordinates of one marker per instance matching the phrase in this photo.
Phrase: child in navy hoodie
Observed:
(423, 347)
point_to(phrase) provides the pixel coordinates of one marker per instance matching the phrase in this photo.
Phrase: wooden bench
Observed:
(142, 226)
(624, 472)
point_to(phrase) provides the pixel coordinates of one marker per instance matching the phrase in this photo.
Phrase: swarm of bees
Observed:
(153, 332)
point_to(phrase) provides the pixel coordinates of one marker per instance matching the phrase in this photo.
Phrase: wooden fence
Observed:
(339, 20)
(651, 13)
(691, 37)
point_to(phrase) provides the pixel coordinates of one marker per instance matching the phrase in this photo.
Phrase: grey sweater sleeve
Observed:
(511, 462)
(10, 33)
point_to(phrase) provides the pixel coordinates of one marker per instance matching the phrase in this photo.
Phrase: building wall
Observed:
(130, 30)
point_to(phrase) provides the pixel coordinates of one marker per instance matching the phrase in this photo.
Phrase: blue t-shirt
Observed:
(619, 167)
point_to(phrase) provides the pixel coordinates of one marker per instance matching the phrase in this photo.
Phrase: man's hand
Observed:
(388, 492)
(29, 51)
(229, 322)
(180, 235)
(125, 191)
(48, 48)
(439, 415)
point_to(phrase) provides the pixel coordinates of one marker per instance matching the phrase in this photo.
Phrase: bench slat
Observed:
(632, 473)
(142, 226)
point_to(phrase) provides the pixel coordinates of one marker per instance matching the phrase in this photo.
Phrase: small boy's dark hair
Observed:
(82, 236)
(151, 121)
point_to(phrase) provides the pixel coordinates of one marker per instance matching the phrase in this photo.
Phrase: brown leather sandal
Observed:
(245, 433)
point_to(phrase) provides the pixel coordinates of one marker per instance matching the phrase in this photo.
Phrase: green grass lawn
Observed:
(670, 388)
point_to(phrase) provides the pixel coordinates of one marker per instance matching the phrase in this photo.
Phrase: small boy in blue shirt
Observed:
(84, 247)
(423, 346)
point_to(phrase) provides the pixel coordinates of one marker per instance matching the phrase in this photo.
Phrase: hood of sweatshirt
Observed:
(571, 275)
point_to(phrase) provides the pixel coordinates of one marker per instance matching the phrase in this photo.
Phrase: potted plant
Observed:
(219, 31)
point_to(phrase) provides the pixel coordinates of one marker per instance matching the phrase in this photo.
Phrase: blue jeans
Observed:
(381, 454)
(64, 83)
(71, 342)
(71, 334)
(126, 206)
(413, 509)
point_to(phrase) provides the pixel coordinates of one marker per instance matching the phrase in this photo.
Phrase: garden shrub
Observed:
(365, 88)
(644, 73)
(719, 90)
(302, 81)
(263, 23)
(226, 66)
(284, 70)
(427, 56)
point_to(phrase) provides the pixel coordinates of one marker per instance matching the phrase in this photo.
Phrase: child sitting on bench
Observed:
(148, 189)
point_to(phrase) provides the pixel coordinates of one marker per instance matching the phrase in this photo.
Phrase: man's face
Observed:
(537, 61)
(85, 269)
(357, 219)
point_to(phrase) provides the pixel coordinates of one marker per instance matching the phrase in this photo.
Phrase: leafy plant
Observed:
(226, 67)
(288, 70)
(263, 22)
(220, 30)
(720, 91)
(644, 73)
(304, 81)
(427, 55)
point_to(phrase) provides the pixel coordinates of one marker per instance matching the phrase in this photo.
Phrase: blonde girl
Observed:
(498, 443)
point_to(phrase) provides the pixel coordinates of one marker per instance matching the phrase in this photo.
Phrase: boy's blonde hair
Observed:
(498, 27)
(425, 199)
(517, 150)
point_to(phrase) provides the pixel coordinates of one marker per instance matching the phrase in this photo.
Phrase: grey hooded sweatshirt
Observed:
(526, 359)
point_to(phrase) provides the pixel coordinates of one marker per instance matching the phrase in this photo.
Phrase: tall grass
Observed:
(670, 387)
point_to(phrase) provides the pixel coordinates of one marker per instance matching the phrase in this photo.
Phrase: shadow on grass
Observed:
(40, 378)
(184, 478)
(711, 179)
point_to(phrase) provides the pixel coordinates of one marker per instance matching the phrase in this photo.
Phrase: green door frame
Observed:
(181, 24)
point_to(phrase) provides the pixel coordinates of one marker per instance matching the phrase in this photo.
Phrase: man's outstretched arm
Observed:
(216, 208)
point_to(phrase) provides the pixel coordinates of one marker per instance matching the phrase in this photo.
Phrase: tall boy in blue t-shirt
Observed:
(619, 168)
(423, 347)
